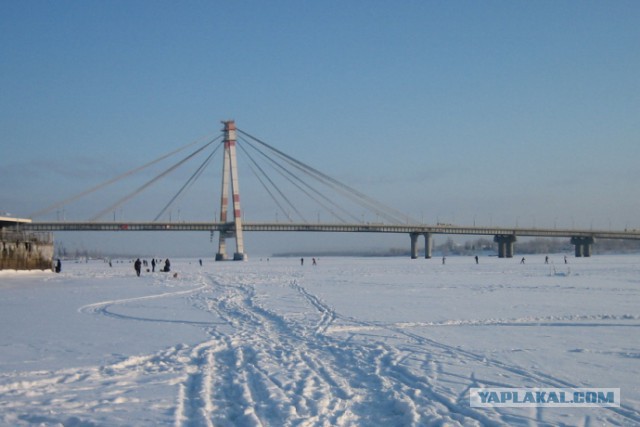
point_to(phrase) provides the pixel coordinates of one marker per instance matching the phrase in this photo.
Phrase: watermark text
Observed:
(544, 397)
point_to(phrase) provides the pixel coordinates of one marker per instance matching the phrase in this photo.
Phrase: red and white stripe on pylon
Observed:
(230, 176)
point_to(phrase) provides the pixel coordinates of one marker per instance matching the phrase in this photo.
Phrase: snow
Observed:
(351, 341)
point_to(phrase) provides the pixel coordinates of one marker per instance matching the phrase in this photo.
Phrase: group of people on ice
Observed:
(522, 261)
(137, 265)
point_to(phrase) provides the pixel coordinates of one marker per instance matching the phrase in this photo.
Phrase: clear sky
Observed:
(493, 112)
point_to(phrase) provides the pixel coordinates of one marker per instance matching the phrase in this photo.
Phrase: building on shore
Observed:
(23, 250)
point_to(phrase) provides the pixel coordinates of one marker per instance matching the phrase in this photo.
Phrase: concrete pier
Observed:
(582, 245)
(505, 244)
(414, 245)
(428, 244)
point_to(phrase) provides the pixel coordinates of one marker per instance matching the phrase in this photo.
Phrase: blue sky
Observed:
(494, 112)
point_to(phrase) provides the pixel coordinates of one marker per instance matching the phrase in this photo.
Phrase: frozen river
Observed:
(348, 342)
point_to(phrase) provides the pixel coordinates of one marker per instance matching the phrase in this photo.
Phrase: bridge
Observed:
(234, 227)
(505, 237)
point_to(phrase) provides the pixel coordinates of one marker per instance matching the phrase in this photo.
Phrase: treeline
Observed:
(616, 246)
(60, 251)
(488, 246)
(532, 246)
(485, 246)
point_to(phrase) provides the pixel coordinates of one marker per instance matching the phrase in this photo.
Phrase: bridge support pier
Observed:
(505, 245)
(428, 244)
(239, 256)
(414, 245)
(583, 245)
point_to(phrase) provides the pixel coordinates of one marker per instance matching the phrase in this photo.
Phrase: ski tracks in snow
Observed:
(278, 369)
(275, 354)
(274, 369)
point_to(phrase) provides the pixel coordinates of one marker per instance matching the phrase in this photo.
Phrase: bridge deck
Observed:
(334, 228)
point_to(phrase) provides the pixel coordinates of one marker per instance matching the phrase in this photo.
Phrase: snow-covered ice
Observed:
(349, 342)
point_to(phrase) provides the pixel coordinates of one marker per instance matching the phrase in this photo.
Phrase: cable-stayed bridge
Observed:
(327, 193)
(582, 239)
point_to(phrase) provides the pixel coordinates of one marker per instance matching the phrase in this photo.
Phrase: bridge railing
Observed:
(337, 228)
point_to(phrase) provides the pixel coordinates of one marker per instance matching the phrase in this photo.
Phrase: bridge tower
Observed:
(230, 178)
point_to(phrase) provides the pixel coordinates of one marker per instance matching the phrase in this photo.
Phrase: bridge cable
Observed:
(274, 186)
(350, 196)
(115, 179)
(192, 179)
(358, 197)
(273, 197)
(290, 176)
(150, 182)
(363, 200)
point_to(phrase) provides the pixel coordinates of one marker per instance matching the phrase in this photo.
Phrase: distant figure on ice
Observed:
(476, 259)
(167, 266)
(313, 261)
(301, 261)
(153, 265)
(443, 260)
(522, 260)
(138, 266)
(565, 259)
(200, 262)
(58, 266)
(546, 259)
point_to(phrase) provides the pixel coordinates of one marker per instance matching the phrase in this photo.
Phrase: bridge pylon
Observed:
(230, 179)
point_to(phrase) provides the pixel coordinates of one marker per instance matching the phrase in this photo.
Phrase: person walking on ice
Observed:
(138, 266)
